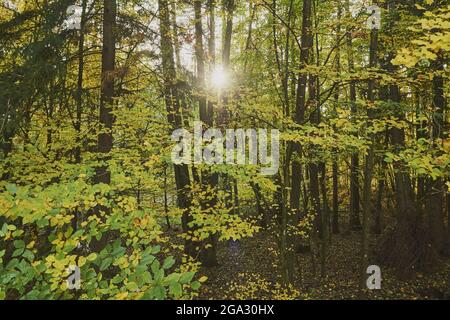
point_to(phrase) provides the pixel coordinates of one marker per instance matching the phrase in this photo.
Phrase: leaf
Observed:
(155, 267)
(18, 252)
(29, 255)
(187, 277)
(122, 296)
(168, 262)
(175, 289)
(203, 279)
(92, 257)
(11, 188)
(171, 278)
(42, 223)
(81, 261)
(195, 285)
(158, 292)
(19, 244)
(155, 249)
(105, 264)
(132, 286)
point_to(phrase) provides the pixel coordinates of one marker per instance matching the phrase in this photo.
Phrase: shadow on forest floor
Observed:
(249, 270)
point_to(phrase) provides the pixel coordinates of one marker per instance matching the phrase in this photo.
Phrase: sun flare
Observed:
(219, 78)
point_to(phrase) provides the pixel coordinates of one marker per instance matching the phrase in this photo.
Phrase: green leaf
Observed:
(156, 249)
(105, 264)
(11, 188)
(132, 286)
(42, 223)
(29, 255)
(158, 292)
(147, 259)
(155, 267)
(175, 289)
(195, 285)
(17, 252)
(19, 244)
(4, 230)
(187, 277)
(168, 262)
(172, 278)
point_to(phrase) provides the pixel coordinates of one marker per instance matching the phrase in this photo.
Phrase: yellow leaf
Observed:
(447, 145)
(92, 257)
(203, 279)
(122, 296)
(81, 261)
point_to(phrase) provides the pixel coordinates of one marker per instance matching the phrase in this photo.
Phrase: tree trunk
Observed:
(207, 255)
(435, 188)
(182, 179)
(79, 95)
(368, 166)
(335, 219)
(354, 221)
(105, 138)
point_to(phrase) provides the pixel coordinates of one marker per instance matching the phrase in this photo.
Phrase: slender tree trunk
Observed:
(335, 220)
(229, 13)
(252, 12)
(421, 133)
(171, 97)
(403, 192)
(294, 149)
(207, 255)
(228, 7)
(176, 43)
(166, 203)
(325, 222)
(354, 222)
(79, 95)
(368, 166)
(200, 57)
(105, 138)
(211, 51)
(435, 188)
(377, 227)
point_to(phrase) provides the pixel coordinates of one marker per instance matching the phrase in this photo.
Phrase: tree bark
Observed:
(207, 255)
(435, 187)
(335, 218)
(182, 179)
(105, 138)
(79, 95)
(368, 166)
(354, 221)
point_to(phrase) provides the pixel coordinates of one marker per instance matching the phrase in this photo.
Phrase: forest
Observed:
(224, 149)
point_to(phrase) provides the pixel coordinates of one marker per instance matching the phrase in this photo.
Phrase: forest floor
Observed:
(249, 269)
